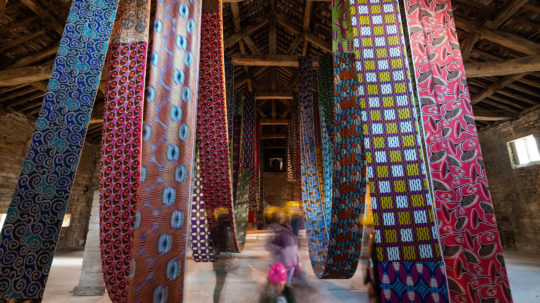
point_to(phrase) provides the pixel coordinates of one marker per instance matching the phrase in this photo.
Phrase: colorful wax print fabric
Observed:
(230, 98)
(121, 142)
(341, 27)
(37, 208)
(244, 193)
(212, 132)
(202, 245)
(470, 241)
(405, 226)
(237, 134)
(335, 246)
(160, 229)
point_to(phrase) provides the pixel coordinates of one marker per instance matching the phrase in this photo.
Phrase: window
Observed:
(67, 220)
(2, 220)
(524, 152)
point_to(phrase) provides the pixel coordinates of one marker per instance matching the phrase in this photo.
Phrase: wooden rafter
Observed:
(491, 115)
(307, 18)
(25, 75)
(268, 60)
(493, 88)
(231, 40)
(44, 14)
(498, 37)
(502, 68)
(323, 44)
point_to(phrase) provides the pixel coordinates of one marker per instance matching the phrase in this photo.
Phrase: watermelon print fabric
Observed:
(469, 237)
(121, 143)
(160, 229)
(34, 218)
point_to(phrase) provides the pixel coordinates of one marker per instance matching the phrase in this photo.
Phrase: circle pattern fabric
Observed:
(160, 228)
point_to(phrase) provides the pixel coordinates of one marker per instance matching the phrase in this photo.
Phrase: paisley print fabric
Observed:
(334, 247)
(469, 237)
(37, 208)
(201, 238)
(212, 118)
(121, 142)
(160, 229)
(405, 229)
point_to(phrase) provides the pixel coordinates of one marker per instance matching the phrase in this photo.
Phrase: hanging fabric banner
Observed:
(160, 229)
(202, 245)
(237, 135)
(212, 132)
(244, 193)
(469, 236)
(406, 237)
(334, 241)
(121, 142)
(37, 208)
(229, 99)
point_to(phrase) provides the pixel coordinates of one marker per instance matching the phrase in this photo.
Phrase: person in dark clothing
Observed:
(222, 236)
(277, 290)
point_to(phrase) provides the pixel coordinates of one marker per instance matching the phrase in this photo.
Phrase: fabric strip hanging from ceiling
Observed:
(202, 245)
(121, 143)
(229, 99)
(236, 139)
(334, 242)
(469, 237)
(158, 254)
(37, 208)
(244, 192)
(406, 237)
(212, 132)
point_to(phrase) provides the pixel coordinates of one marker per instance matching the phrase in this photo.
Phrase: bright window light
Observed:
(67, 220)
(2, 220)
(524, 151)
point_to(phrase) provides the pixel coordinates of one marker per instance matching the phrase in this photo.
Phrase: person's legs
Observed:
(220, 281)
(290, 273)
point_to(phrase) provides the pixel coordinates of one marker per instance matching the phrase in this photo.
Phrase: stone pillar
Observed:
(91, 282)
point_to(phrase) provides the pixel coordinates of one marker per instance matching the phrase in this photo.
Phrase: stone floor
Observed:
(247, 279)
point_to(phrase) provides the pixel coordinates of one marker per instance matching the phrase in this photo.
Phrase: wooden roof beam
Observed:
(493, 88)
(231, 40)
(305, 25)
(45, 15)
(501, 68)
(508, 11)
(21, 40)
(325, 45)
(268, 60)
(274, 121)
(24, 75)
(35, 57)
(273, 136)
(510, 41)
(481, 114)
(274, 95)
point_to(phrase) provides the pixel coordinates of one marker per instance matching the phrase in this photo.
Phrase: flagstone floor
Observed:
(248, 276)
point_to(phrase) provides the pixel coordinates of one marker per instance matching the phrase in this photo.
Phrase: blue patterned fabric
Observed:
(35, 215)
(334, 237)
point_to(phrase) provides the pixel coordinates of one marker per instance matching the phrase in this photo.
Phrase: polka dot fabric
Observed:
(160, 229)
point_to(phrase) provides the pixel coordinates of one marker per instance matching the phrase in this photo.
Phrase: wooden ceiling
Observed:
(500, 41)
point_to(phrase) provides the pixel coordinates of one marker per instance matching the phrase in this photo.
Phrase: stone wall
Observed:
(515, 191)
(15, 134)
(275, 188)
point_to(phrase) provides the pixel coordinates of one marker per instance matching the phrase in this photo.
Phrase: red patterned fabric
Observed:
(468, 230)
(212, 130)
(120, 162)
